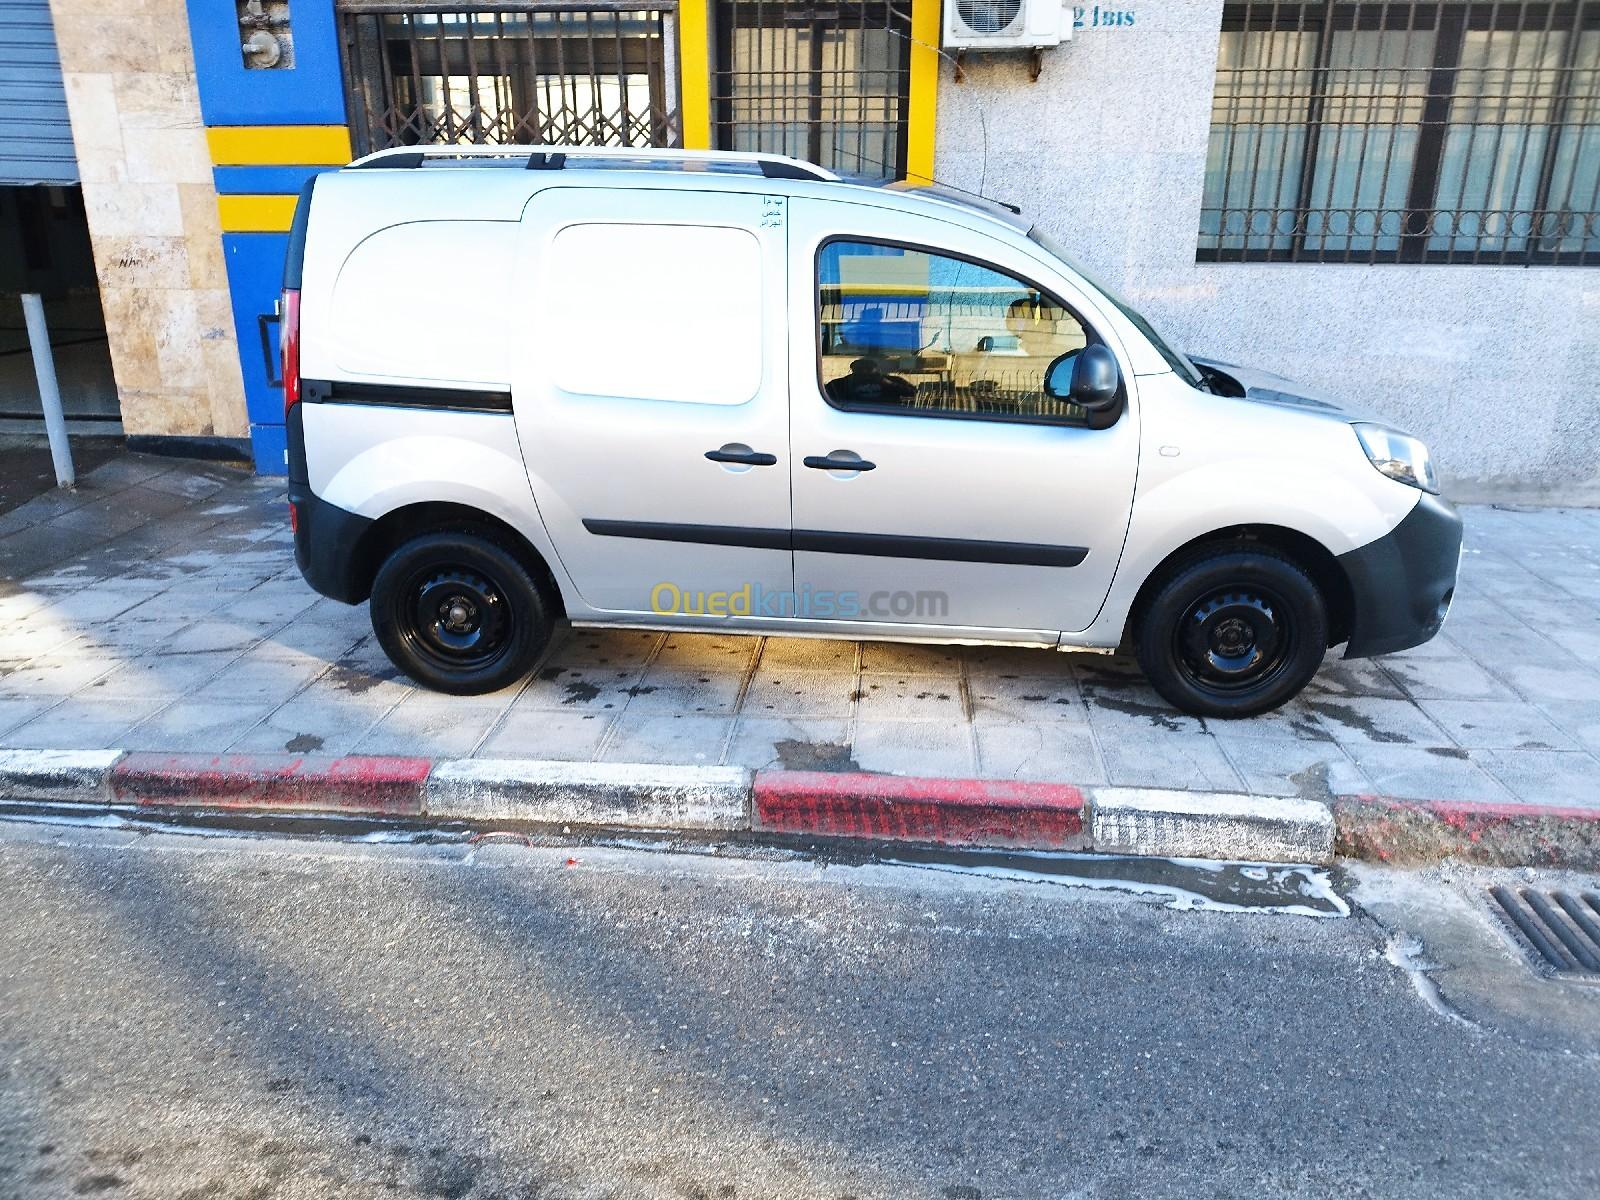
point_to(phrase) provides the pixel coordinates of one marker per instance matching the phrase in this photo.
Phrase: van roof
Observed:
(688, 163)
(412, 184)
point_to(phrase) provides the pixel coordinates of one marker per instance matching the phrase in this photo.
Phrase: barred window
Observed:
(1427, 133)
(825, 82)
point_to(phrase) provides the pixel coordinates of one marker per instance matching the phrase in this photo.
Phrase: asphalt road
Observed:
(194, 1018)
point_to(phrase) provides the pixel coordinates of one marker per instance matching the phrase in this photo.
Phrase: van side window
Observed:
(654, 312)
(906, 330)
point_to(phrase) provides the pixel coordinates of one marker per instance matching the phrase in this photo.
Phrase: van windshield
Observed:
(1185, 369)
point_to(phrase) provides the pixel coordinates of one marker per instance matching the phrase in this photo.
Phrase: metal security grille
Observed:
(1445, 132)
(822, 82)
(592, 75)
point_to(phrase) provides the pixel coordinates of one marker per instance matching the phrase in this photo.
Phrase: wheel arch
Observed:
(1320, 563)
(398, 526)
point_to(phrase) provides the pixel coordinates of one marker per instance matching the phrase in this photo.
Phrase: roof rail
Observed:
(555, 158)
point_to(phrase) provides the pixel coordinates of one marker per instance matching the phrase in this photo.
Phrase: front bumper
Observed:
(1403, 582)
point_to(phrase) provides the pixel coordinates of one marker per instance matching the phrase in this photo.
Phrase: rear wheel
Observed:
(459, 613)
(1233, 632)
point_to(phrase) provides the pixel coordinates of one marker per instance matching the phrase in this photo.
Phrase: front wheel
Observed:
(459, 613)
(1232, 633)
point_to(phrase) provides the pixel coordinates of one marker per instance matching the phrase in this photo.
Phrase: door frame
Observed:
(1018, 259)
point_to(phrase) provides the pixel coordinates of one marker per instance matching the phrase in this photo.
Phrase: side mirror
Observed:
(1088, 378)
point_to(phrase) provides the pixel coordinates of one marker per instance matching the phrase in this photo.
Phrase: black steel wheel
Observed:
(1234, 638)
(459, 613)
(1232, 632)
(458, 617)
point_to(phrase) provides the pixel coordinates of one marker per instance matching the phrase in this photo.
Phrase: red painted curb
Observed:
(351, 785)
(881, 807)
(1037, 816)
(1382, 829)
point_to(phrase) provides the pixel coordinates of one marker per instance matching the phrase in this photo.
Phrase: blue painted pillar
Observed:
(269, 130)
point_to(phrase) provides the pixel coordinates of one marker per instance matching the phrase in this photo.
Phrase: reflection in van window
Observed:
(653, 312)
(906, 330)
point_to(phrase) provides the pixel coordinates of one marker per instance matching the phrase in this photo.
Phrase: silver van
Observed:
(733, 392)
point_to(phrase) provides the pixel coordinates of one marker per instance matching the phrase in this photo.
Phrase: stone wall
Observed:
(1494, 366)
(152, 210)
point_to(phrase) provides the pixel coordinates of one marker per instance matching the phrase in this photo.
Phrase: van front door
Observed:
(935, 482)
(651, 395)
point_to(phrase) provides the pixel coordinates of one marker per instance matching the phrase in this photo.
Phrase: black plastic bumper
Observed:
(327, 538)
(1403, 583)
(327, 546)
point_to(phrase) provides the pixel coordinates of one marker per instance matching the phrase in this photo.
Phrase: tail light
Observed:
(289, 347)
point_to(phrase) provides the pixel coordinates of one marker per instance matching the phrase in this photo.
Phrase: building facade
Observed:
(1396, 203)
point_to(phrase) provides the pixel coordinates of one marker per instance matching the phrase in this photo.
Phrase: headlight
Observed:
(1399, 456)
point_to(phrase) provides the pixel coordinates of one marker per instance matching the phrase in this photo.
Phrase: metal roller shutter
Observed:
(35, 131)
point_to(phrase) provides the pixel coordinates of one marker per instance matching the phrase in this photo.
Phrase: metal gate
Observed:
(823, 82)
(596, 74)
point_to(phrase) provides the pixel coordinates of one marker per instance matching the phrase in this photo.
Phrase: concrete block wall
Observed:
(152, 213)
(1495, 366)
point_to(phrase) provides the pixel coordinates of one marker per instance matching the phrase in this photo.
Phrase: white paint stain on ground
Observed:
(1210, 886)
(1405, 951)
(1290, 890)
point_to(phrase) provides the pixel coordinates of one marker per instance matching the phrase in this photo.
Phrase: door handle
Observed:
(747, 458)
(818, 462)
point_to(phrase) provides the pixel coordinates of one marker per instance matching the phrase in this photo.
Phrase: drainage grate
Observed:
(1562, 927)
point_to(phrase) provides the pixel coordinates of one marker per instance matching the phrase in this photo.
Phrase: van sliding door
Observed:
(651, 396)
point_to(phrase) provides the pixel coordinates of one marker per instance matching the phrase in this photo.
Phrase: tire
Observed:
(459, 613)
(1232, 632)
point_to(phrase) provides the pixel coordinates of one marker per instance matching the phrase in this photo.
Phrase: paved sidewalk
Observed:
(159, 609)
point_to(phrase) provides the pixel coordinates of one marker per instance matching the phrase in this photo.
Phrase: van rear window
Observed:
(426, 300)
(654, 312)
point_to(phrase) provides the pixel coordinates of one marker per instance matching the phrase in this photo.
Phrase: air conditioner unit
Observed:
(1005, 24)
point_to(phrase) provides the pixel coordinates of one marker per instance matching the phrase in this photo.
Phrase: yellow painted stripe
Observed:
(279, 145)
(923, 103)
(694, 73)
(256, 214)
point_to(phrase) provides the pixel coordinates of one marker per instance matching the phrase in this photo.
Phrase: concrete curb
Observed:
(731, 800)
(1413, 832)
(973, 812)
(62, 776)
(601, 794)
(390, 787)
(1210, 825)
